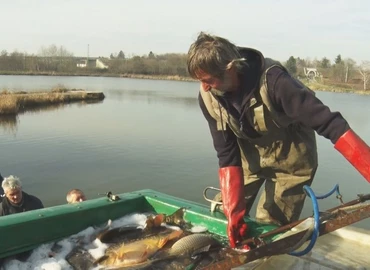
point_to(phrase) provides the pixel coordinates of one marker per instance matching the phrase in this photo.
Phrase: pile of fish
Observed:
(166, 242)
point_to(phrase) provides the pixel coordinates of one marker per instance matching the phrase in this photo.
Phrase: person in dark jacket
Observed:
(16, 200)
(263, 123)
(1, 189)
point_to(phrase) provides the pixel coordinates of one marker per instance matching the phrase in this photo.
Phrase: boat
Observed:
(26, 231)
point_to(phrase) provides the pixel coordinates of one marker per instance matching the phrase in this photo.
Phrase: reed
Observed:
(15, 102)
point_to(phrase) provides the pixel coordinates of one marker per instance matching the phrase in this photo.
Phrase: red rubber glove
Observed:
(356, 151)
(233, 200)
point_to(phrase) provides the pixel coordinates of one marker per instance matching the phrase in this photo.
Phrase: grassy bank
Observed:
(102, 74)
(316, 86)
(15, 102)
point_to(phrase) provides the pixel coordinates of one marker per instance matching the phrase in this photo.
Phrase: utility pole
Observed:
(87, 59)
(24, 61)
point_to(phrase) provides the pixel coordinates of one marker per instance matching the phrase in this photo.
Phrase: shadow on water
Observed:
(153, 97)
(10, 122)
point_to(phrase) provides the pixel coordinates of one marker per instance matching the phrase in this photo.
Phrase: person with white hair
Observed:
(16, 200)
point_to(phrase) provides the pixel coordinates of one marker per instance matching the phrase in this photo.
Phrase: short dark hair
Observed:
(213, 55)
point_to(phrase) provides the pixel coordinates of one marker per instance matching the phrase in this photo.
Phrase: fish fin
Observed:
(101, 259)
(175, 234)
(154, 221)
(145, 253)
(138, 255)
(109, 223)
(171, 236)
(201, 250)
(158, 220)
(176, 218)
(121, 256)
(163, 241)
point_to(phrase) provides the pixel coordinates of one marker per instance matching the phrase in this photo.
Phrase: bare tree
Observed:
(364, 70)
(349, 66)
(54, 51)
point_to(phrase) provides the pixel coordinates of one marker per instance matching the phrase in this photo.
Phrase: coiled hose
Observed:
(316, 215)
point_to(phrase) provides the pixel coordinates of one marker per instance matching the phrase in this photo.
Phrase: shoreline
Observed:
(12, 103)
(312, 85)
(109, 75)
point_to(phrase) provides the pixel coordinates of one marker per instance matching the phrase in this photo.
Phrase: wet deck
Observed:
(346, 248)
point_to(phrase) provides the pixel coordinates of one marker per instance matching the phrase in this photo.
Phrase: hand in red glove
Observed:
(233, 200)
(356, 151)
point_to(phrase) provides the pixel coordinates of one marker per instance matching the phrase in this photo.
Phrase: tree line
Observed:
(342, 72)
(58, 60)
(55, 59)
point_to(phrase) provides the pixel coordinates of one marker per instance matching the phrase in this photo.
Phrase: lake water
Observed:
(145, 134)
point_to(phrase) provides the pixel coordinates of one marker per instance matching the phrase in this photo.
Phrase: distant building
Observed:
(102, 64)
(311, 73)
(93, 62)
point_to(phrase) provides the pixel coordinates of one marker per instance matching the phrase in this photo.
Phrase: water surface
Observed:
(145, 134)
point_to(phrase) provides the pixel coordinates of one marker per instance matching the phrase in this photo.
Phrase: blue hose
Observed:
(316, 215)
(336, 188)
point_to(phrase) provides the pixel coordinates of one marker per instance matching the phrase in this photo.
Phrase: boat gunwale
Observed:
(25, 231)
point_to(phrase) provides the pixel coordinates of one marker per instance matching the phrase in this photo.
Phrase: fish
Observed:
(80, 259)
(114, 235)
(176, 219)
(190, 245)
(152, 224)
(136, 253)
(100, 230)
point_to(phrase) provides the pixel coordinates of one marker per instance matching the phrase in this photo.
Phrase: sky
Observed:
(279, 29)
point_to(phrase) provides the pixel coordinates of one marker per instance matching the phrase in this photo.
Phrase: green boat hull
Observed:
(25, 231)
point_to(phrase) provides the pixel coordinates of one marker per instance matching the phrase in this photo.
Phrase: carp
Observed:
(152, 225)
(191, 245)
(136, 253)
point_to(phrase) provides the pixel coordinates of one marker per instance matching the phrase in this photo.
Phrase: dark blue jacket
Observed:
(287, 94)
(28, 203)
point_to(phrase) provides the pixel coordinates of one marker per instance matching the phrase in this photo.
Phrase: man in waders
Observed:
(263, 124)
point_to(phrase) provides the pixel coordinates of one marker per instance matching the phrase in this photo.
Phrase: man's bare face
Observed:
(14, 195)
(78, 197)
(224, 84)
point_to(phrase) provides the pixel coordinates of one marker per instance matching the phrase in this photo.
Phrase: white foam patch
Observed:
(133, 219)
(39, 260)
(198, 229)
(99, 249)
(40, 257)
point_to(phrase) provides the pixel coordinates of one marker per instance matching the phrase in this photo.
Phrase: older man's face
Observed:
(78, 197)
(14, 195)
